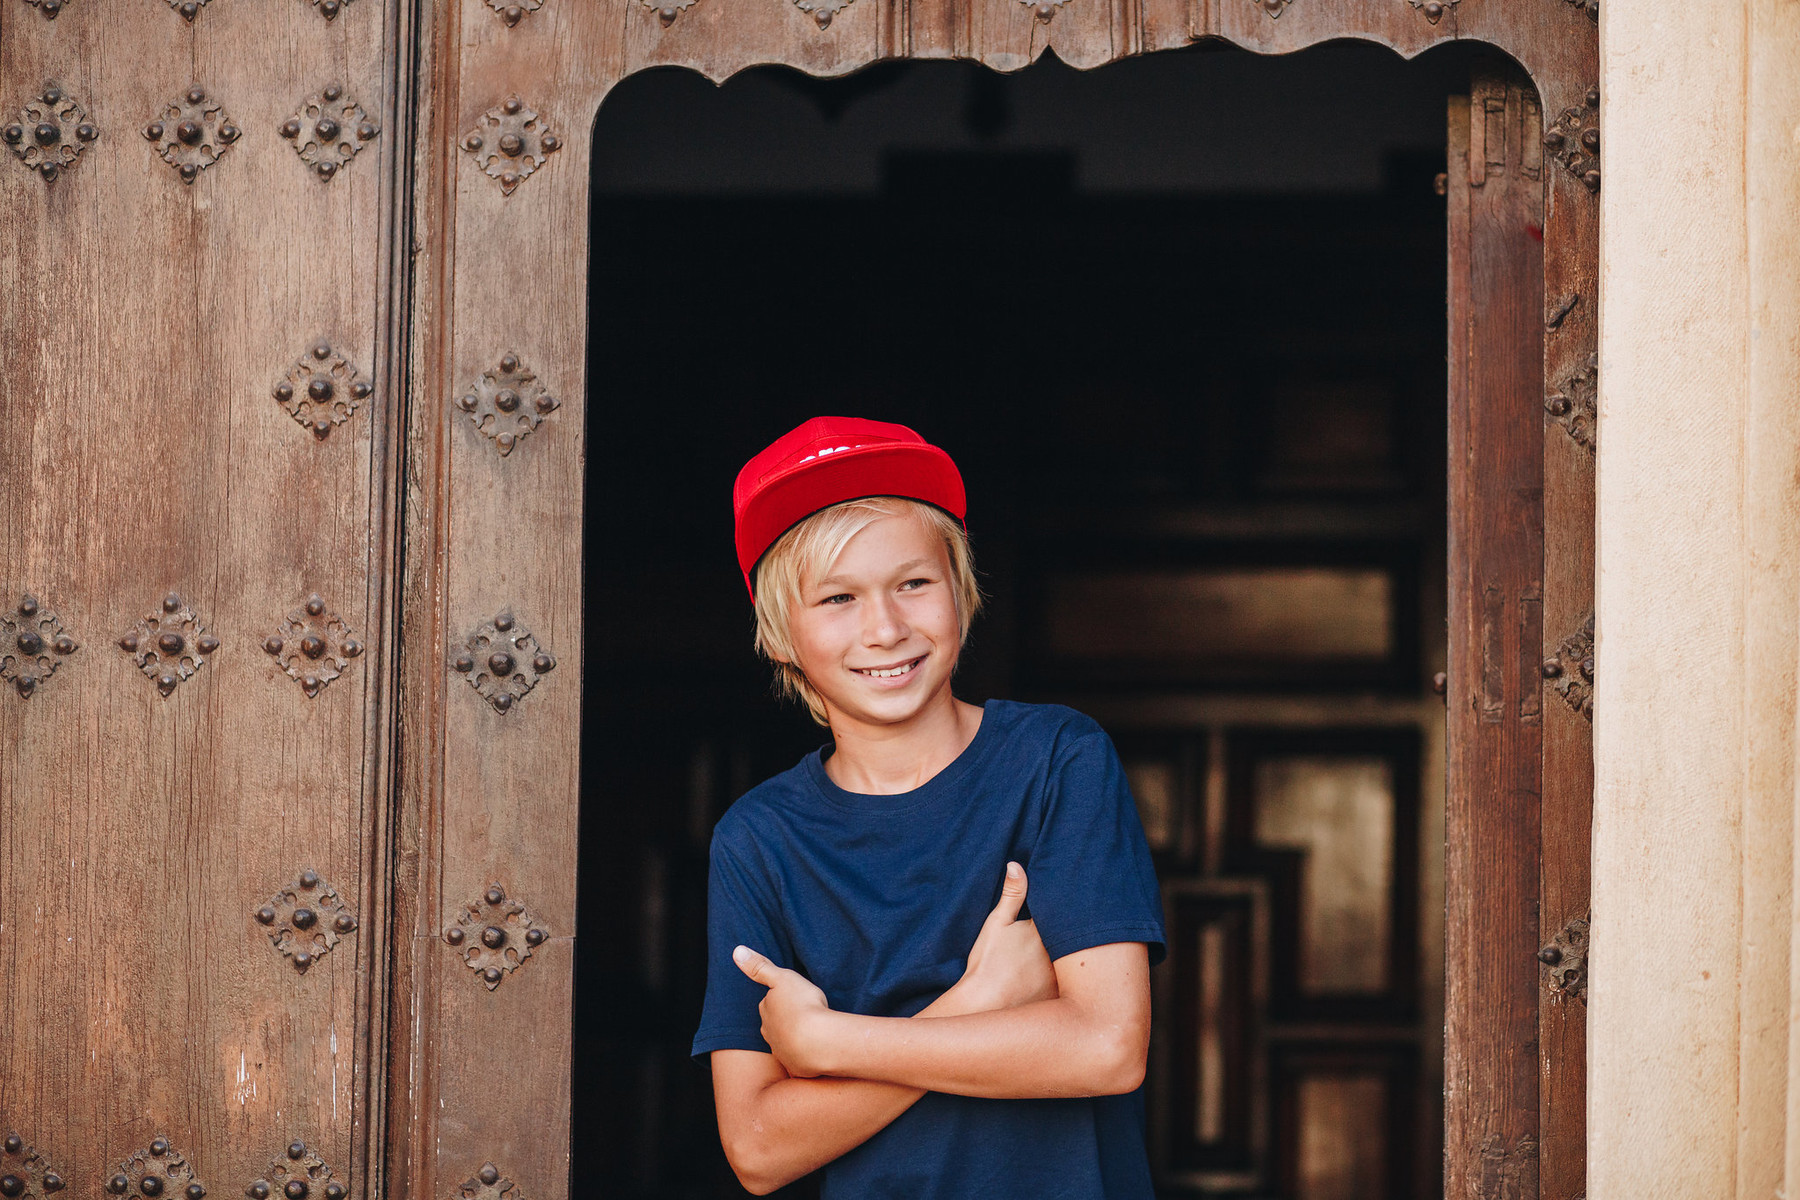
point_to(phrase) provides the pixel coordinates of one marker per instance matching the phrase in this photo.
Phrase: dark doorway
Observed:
(1181, 322)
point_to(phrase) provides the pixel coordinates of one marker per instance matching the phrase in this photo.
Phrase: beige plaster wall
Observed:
(1694, 1088)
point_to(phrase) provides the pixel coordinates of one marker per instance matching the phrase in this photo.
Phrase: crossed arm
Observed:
(1015, 1026)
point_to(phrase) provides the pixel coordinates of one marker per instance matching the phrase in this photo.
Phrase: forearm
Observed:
(1046, 1049)
(795, 1126)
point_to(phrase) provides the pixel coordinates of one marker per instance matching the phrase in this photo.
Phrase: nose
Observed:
(885, 624)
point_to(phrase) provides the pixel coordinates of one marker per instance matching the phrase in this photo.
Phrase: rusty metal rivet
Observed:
(309, 879)
(305, 918)
(47, 134)
(1550, 955)
(1554, 139)
(666, 16)
(150, 1185)
(503, 702)
(319, 388)
(129, 643)
(86, 132)
(14, 1143)
(312, 645)
(206, 643)
(1593, 97)
(64, 645)
(506, 400)
(501, 663)
(48, 170)
(327, 128)
(534, 937)
(13, 134)
(52, 1182)
(345, 923)
(295, 1189)
(550, 142)
(545, 403)
(489, 1174)
(351, 648)
(188, 132)
(543, 664)
(272, 644)
(167, 682)
(296, 1150)
(334, 1190)
(361, 389)
(334, 91)
(265, 915)
(290, 128)
(1558, 405)
(329, 8)
(171, 602)
(367, 130)
(170, 643)
(30, 642)
(257, 1191)
(196, 95)
(228, 133)
(492, 974)
(11, 1185)
(503, 621)
(194, 1192)
(512, 106)
(463, 664)
(159, 1147)
(1552, 669)
(117, 1185)
(495, 895)
(1587, 669)
(493, 937)
(28, 606)
(472, 142)
(326, 169)
(453, 935)
(512, 145)
(468, 403)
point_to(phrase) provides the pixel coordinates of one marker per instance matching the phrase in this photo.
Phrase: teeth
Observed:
(891, 672)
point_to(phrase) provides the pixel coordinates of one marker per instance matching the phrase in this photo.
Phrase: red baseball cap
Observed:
(829, 460)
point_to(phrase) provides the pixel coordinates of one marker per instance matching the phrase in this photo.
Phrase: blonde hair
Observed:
(810, 547)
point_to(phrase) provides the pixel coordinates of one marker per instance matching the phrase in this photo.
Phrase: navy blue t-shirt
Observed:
(878, 899)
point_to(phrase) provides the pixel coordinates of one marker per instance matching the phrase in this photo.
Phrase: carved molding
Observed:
(1273, 7)
(503, 661)
(1576, 405)
(1571, 669)
(507, 403)
(667, 10)
(329, 130)
(313, 645)
(189, 9)
(513, 11)
(32, 645)
(329, 9)
(169, 646)
(487, 1184)
(1434, 10)
(158, 1170)
(494, 936)
(306, 919)
(510, 142)
(1574, 141)
(23, 1171)
(300, 1165)
(191, 133)
(50, 9)
(51, 132)
(1565, 960)
(323, 389)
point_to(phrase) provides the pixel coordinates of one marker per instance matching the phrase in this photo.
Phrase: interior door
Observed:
(198, 392)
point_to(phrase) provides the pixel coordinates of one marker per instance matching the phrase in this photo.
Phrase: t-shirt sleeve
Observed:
(739, 912)
(1090, 876)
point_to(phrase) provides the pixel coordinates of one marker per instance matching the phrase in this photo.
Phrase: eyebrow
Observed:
(911, 564)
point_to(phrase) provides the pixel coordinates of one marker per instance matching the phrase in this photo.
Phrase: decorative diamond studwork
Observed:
(507, 403)
(511, 141)
(32, 646)
(1574, 141)
(1044, 10)
(314, 645)
(1576, 406)
(51, 132)
(1571, 669)
(169, 646)
(822, 11)
(667, 10)
(329, 9)
(301, 1174)
(323, 389)
(1434, 10)
(157, 1170)
(1591, 7)
(495, 935)
(191, 133)
(1273, 7)
(189, 9)
(305, 919)
(502, 661)
(23, 1171)
(328, 130)
(50, 9)
(487, 1184)
(1566, 960)
(513, 11)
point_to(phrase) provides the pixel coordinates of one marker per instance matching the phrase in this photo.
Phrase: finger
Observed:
(1012, 896)
(755, 965)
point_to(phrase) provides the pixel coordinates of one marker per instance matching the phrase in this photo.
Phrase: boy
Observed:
(870, 1006)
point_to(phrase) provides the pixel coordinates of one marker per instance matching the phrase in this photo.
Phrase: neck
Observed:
(885, 760)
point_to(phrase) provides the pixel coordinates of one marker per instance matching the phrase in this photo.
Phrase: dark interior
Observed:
(1189, 354)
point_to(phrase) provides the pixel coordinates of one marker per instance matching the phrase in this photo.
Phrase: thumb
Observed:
(755, 965)
(1012, 896)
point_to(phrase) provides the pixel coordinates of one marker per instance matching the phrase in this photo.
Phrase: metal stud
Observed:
(305, 920)
(38, 137)
(322, 390)
(191, 133)
(170, 646)
(40, 644)
(501, 661)
(313, 645)
(329, 130)
(521, 142)
(495, 935)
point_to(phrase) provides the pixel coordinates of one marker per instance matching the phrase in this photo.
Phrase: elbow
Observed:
(1120, 1061)
(755, 1167)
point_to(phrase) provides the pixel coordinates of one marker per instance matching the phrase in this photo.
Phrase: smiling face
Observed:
(877, 633)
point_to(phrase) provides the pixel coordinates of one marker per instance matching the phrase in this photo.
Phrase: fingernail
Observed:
(740, 954)
(1014, 870)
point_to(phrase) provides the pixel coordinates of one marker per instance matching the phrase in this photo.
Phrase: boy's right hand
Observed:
(1008, 964)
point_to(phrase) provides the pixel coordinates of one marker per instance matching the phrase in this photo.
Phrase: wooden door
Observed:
(294, 301)
(200, 389)
(1521, 638)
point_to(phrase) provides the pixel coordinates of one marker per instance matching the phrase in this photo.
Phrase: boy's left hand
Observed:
(794, 1014)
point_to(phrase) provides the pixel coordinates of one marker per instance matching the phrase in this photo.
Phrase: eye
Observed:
(915, 584)
(840, 598)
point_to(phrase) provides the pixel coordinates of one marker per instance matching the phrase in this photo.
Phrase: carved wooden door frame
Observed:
(494, 319)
